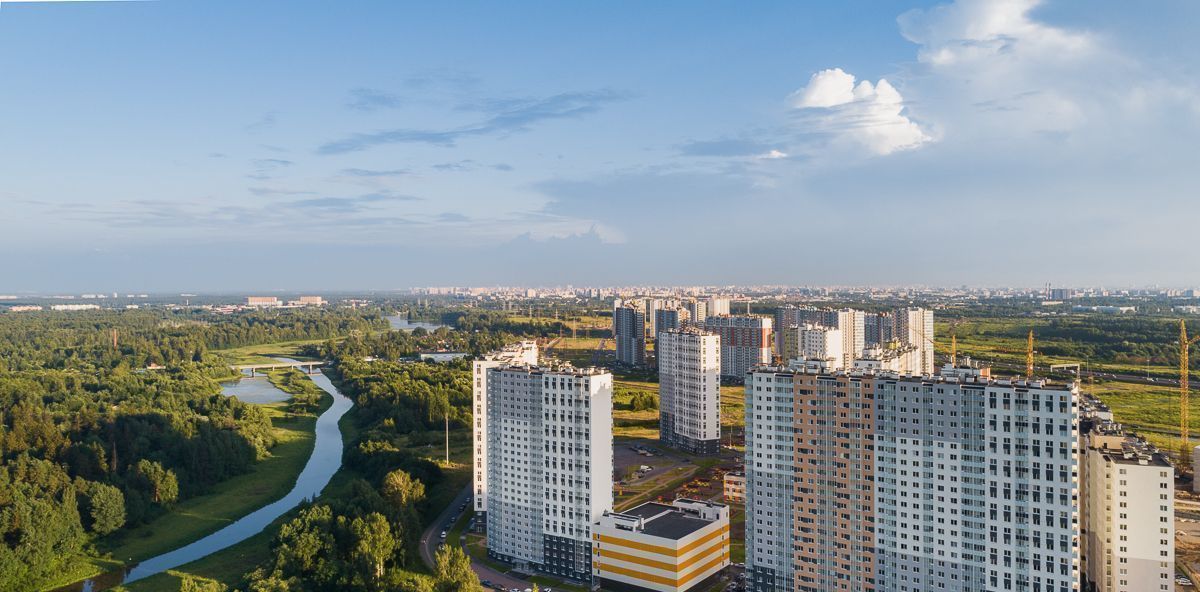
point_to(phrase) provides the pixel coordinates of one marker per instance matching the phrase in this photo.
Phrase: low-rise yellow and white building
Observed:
(735, 487)
(661, 547)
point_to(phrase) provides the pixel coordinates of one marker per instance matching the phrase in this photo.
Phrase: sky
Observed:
(212, 145)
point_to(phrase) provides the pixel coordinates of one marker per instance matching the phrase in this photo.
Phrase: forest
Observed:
(109, 418)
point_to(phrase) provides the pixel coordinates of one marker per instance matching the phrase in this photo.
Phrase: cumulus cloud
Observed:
(869, 115)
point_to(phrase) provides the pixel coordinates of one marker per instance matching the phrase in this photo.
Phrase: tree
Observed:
(374, 543)
(162, 484)
(106, 507)
(453, 571)
(194, 584)
(401, 490)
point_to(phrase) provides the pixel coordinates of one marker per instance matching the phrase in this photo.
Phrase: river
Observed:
(326, 459)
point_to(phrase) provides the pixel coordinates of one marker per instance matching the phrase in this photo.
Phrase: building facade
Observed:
(689, 387)
(629, 333)
(908, 483)
(661, 547)
(745, 342)
(734, 487)
(521, 353)
(1128, 509)
(914, 326)
(666, 319)
(549, 464)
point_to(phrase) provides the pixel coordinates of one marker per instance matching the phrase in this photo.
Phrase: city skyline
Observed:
(170, 146)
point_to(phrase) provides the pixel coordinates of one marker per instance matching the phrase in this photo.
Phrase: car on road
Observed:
(443, 534)
(486, 583)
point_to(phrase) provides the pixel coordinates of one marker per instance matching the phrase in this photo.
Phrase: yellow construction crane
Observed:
(1029, 357)
(1184, 395)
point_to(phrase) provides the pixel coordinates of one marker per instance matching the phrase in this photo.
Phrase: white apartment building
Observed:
(745, 341)
(852, 324)
(910, 483)
(689, 386)
(815, 342)
(523, 353)
(1128, 513)
(770, 471)
(549, 465)
(914, 326)
(718, 306)
(697, 310)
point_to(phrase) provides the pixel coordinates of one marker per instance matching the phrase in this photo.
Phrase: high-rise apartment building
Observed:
(689, 387)
(629, 333)
(521, 353)
(914, 326)
(666, 319)
(1128, 512)
(549, 464)
(852, 324)
(822, 344)
(652, 306)
(745, 342)
(718, 306)
(866, 481)
(697, 310)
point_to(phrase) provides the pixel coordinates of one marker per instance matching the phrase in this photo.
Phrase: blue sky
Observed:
(211, 145)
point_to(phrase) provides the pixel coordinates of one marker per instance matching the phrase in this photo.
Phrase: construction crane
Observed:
(1029, 357)
(1184, 407)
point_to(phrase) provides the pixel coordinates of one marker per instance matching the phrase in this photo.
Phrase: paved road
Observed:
(432, 537)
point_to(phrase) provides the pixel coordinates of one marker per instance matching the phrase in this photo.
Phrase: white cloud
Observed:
(772, 155)
(871, 116)
(968, 31)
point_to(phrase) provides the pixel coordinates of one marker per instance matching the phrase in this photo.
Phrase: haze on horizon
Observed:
(223, 145)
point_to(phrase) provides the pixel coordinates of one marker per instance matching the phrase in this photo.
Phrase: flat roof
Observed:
(666, 521)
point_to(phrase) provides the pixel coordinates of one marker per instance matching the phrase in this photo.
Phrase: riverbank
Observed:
(194, 518)
(228, 566)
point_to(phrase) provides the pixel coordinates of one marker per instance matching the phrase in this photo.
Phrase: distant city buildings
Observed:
(662, 547)
(74, 307)
(745, 342)
(264, 301)
(549, 465)
(689, 386)
(275, 302)
(629, 333)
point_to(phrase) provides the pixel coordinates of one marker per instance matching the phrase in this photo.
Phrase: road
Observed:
(432, 537)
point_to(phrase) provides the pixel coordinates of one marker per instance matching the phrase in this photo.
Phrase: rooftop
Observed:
(1038, 383)
(668, 521)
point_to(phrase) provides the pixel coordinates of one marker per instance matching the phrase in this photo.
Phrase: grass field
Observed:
(581, 352)
(265, 353)
(1152, 411)
(1004, 341)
